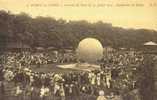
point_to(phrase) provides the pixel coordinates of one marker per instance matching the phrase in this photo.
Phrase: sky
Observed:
(122, 13)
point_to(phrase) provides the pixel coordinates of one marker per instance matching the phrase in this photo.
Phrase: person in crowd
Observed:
(101, 95)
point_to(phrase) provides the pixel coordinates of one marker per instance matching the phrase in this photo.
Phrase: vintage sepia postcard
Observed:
(78, 50)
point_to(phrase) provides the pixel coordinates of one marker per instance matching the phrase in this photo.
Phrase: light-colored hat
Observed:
(101, 93)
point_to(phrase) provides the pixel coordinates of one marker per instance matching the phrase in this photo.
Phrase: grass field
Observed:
(52, 68)
(65, 68)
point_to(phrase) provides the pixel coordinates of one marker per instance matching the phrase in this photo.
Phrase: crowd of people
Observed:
(35, 58)
(116, 77)
(26, 58)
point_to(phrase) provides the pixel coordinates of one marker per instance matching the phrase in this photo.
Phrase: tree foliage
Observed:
(47, 31)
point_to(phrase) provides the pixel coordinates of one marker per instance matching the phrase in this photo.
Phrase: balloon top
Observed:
(90, 50)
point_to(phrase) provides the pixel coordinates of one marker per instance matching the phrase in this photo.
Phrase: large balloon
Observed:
(90, 50)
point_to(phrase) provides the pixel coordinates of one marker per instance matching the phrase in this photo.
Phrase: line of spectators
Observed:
(116, 75)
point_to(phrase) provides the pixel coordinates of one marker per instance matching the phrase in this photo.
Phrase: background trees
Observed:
(47, 31)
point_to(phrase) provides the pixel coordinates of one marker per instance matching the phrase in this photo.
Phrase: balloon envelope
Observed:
(90, 50)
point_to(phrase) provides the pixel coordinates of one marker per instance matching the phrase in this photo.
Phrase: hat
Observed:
(101, 93)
